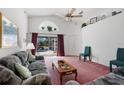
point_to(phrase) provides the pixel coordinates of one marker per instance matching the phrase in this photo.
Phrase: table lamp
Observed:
(29, 47)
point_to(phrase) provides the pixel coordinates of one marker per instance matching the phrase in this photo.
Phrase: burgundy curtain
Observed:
(34, 41)
(60, 49)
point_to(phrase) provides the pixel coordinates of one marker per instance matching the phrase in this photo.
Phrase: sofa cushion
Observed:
(40, 58)
(38, 71)
(38, 67)
(23, 72)
(10, 62)
(23, 55)
(39, 79)
(7, 77)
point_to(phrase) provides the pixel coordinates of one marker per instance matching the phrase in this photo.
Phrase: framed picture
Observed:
(93, 20)
(114, 13)
(8, 33)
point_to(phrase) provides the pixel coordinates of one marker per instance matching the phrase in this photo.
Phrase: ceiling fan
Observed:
(71, 14)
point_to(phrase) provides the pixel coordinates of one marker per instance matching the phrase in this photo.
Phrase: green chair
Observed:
(119, 62)
(87, 53)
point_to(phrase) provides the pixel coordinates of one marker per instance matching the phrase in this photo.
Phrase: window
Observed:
(47, 45)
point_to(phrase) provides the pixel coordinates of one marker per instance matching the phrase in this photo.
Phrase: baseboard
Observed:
(71, 55)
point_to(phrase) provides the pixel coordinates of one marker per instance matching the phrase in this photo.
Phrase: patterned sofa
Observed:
(115, 78)
(10, 76)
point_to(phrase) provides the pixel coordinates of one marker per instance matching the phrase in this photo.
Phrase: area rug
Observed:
(87, 71)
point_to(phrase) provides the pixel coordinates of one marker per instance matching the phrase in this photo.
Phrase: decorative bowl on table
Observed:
(63, 65)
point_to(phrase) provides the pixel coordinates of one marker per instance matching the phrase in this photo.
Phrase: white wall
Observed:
(71, 31)
(20, 19)
(105, 37)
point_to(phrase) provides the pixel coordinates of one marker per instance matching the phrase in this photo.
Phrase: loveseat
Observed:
(10, 74)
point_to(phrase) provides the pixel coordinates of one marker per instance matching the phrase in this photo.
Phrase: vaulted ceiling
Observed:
(87, 12)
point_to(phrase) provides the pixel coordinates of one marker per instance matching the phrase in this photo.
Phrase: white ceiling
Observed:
(53, 11)
(87, 12)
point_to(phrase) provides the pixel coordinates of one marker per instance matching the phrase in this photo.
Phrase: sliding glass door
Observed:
(47, 45)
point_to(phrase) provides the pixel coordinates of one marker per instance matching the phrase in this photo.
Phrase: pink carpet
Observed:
(87, 71)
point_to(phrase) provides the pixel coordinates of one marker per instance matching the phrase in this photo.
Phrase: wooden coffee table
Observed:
(63, 71)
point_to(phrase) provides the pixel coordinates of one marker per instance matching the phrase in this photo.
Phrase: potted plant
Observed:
(54, 29)
(49, 28)
(42, 28)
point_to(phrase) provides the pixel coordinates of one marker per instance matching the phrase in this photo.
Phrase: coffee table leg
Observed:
(76, 75)
(52, 66)
(60, 79)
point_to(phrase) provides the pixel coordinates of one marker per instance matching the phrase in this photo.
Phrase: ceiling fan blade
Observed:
(70, 12)
(81, 12)
(60, 15)
(76, 16)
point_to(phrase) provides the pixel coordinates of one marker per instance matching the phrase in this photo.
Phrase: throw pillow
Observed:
(23, 72)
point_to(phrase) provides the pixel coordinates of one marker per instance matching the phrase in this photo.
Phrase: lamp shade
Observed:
(30, 46)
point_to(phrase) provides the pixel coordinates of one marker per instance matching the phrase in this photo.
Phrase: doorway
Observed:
(47, 45)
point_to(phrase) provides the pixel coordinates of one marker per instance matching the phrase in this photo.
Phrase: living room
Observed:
(56, 34)
(98, 30)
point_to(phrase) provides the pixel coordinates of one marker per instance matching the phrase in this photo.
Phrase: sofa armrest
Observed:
(39, 79)
(8, 77)
(72, 82)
